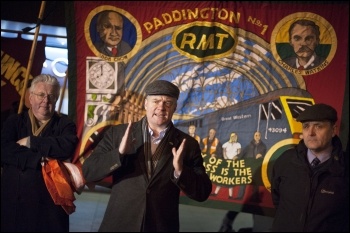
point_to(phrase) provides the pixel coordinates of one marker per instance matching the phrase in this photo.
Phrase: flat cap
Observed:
(162, 87)
(318, 112)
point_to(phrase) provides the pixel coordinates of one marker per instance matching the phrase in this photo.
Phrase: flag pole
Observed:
(31, 56)
(62, 92)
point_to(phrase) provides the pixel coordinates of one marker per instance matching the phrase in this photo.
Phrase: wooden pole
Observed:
(62, 92)
(31, 56)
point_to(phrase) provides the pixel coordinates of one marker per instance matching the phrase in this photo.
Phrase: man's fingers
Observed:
(182, 144)
(128, 128)
(125, 142)
(181, 147)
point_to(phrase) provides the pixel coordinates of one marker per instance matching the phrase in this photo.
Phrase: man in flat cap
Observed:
(151, 162)
(310, 183)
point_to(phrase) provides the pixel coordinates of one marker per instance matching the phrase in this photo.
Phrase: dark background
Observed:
(28, 11)
(54, 12)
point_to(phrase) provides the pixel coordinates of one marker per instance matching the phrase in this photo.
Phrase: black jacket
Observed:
(307, 201)
(26, 205)
(138, 203)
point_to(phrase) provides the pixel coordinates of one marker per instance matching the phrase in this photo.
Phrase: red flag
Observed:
(15, 54)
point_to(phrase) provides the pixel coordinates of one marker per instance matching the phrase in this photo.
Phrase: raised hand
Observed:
(178, 158)
(126, 144)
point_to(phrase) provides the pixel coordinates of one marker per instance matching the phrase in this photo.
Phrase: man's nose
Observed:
(312, 130)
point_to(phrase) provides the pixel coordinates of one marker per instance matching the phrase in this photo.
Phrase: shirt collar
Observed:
(322, 157)
(161, 135)
(312, 59)
(110, 48)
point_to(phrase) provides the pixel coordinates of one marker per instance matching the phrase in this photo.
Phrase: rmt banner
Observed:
(245, 70)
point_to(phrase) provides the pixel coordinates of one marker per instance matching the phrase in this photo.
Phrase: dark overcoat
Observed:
(26, 205)
(138, 203)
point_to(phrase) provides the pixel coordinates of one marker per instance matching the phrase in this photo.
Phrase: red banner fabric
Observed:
(15, 54)
(234, 62)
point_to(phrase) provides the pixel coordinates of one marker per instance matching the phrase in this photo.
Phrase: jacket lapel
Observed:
(167, 155)
(136, 134)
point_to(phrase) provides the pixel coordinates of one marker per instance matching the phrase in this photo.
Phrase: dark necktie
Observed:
(301, 68)
(315, 162)
(114, 51)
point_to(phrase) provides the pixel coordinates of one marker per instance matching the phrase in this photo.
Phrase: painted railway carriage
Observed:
(273, 115)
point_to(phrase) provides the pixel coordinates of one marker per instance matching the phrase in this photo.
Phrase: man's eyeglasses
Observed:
(42, 96)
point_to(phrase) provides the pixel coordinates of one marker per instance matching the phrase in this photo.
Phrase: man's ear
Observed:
(335, 129)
